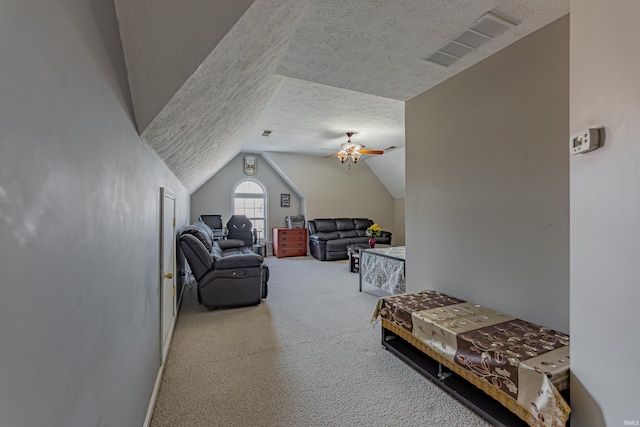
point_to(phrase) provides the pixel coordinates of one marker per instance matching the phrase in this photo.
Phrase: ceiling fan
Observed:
(352, 151)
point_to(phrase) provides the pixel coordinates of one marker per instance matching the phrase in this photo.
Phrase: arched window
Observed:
(250, 199)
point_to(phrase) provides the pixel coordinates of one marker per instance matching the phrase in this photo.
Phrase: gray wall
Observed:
(214, 197)
(605, 214)
(487, 182)
(332, 190)
(79, 223)
(328, 189)
(399, 217)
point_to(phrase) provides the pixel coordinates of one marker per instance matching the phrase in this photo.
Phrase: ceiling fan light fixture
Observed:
(351, 152)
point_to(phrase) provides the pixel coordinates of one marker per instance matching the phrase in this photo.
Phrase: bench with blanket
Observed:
(520, 365)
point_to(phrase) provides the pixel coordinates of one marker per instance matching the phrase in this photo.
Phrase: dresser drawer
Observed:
(289, 242)
(285, 237)
(292, 244)
(284, 252)
(291, 233)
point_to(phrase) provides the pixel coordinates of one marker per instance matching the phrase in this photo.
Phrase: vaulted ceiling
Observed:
(207, 77)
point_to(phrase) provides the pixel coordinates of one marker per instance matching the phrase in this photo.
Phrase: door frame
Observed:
(166, 196)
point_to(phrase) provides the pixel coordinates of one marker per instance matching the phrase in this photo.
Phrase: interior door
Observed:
(167, 273)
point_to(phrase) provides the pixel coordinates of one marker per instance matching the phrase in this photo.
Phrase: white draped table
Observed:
(383, 268)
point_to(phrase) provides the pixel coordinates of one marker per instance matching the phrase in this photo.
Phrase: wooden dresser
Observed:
(289, 242)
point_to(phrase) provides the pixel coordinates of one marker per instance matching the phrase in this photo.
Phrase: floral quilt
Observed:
(524, 364)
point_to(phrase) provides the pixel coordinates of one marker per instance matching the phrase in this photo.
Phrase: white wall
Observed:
(605, 214)
(79, 223)
(391, 170)
(487, 206)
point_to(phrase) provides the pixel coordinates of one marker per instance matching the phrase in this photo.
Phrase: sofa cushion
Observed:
(239, 261)
(361, 233)
(200, 234)
(343, 224)
(216, 252)
(242, 250)
(325, 225)
(362, 223)
(230, 243)
(347, 234)
(203, 225)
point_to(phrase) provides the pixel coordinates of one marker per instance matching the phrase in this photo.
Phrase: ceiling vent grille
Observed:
(482, 30)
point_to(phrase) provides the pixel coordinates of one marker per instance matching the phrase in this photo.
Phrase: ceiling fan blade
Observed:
(332, 155)
(372, 151)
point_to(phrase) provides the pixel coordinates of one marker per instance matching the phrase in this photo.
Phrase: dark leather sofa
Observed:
(329, 237)
(228, 274)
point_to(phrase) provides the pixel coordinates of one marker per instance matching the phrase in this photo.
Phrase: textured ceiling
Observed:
(306, 117)
(308, 70)
(166, 41)
(378, 46)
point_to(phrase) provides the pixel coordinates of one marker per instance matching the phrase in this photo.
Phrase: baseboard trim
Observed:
(156, 386)
(154, 395)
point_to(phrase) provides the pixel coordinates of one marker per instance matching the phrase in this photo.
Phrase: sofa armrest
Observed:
(238, 261)
(197, 256)
(311, 226)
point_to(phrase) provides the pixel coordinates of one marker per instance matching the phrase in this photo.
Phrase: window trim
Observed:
(265, 195)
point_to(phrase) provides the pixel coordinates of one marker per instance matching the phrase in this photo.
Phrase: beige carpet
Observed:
(306, 356)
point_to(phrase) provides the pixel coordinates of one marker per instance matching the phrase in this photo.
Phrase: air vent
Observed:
(482, 30)
(456, 49)
(491, 25)
(266, 133)
(442, 58)
(472, 39)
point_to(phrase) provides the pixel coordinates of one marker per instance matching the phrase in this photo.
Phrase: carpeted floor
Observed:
(306, 356)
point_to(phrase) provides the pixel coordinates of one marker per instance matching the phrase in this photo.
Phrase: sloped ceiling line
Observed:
(207, 117)
(309, 70)
(205, 123)
(164, 42)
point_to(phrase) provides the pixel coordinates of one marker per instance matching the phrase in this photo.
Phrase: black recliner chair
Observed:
(239, 227)
(228, 274)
